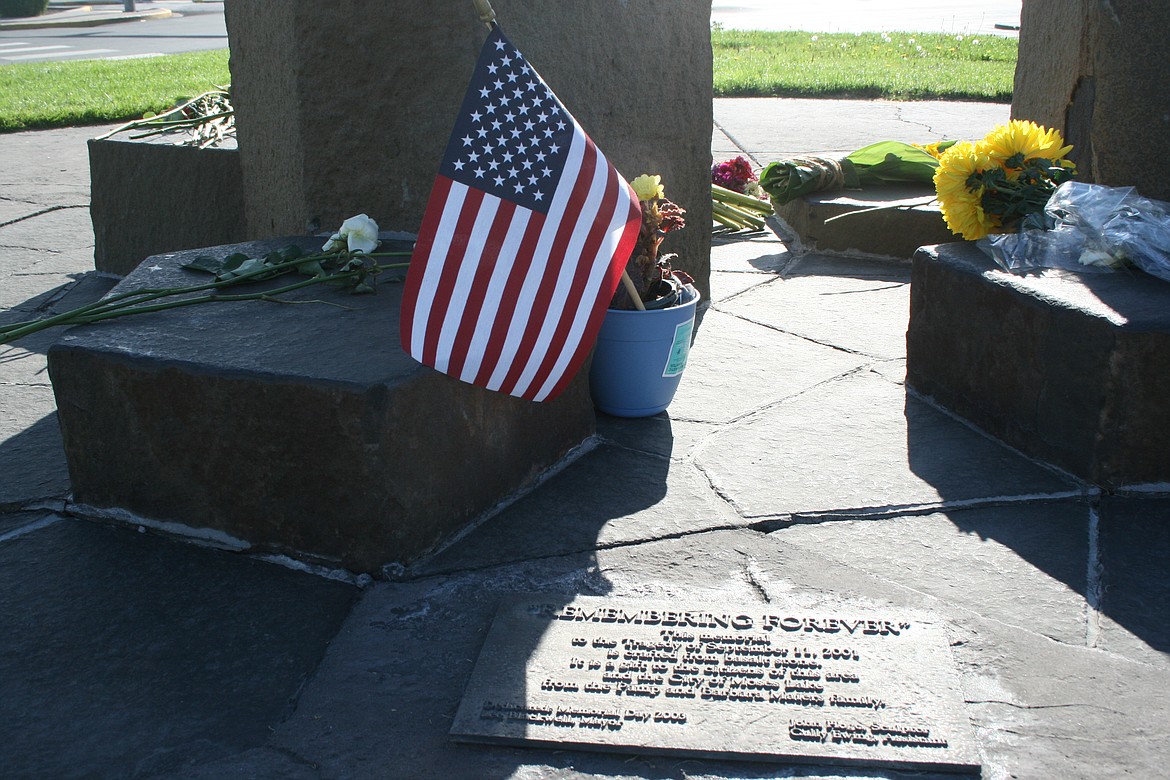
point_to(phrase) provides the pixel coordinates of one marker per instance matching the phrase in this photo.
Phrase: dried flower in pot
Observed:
(642, 350)
(650, 272)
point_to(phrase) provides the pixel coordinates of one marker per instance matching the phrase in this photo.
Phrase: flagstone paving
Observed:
(793, 469)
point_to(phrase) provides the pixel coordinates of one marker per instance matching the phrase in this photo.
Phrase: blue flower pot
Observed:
(640, 356)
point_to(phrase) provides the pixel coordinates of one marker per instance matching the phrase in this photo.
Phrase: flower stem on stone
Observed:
(151, 299)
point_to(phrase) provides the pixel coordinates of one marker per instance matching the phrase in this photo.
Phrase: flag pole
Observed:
(488, 16)
(632, 290)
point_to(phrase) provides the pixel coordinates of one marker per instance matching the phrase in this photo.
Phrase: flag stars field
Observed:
(513, 124)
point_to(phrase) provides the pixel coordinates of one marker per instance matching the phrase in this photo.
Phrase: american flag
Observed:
(523, 242)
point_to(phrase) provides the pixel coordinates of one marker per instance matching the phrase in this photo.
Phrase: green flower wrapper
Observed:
(882, 163)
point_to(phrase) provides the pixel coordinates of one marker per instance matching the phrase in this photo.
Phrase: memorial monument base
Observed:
(295, 428)
(1070, 368)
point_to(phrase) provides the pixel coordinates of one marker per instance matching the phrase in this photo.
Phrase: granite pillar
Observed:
(346, 107)
(1095, 69)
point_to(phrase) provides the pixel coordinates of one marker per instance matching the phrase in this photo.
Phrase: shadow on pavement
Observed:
(1109, 550)
(1133, 548)
(127, 654)
(543, 543)
(33, 465)
(606, 496)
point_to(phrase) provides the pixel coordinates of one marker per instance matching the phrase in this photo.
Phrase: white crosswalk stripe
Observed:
(56, 54)
(12, 51)
(24, 49)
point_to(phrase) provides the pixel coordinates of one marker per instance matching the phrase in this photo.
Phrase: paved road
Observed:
(198, 26)
(194, 27)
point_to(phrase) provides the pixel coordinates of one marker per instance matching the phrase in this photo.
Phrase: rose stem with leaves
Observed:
(128, 303)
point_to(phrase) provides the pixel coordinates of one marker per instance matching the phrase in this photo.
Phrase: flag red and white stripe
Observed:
(524, 239)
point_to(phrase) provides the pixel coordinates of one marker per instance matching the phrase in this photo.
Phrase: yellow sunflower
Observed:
(960, 203)
(1021, 140)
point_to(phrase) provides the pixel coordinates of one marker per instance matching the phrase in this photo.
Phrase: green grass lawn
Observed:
(64, 94)
(901, 66)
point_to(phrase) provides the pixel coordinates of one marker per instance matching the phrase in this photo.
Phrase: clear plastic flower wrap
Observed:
(1089, 228)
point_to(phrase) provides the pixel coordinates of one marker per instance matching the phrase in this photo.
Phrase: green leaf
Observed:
(363, 288)
(205, 263)
(291, 252)
(234, 261)
(249, 265)
(311, 268)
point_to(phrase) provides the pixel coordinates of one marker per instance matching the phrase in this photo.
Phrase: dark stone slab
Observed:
(149, 198)
(890, 221)
(763, 683)
(382, 701)
(862, 446)
(1038, 552)
(298, 428)
(1071, 369)
(31, 460)
(1134, 546)
(126, 655)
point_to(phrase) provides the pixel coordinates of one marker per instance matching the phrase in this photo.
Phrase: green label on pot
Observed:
(679, 349)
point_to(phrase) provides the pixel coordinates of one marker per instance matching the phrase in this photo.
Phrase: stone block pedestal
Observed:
(148, 198)
(890, 221)
(298, 428)
(1073, 369)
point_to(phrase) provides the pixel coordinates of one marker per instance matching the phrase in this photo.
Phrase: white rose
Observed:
(358, 234)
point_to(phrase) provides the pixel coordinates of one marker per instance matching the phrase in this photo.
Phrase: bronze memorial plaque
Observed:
(759, 682)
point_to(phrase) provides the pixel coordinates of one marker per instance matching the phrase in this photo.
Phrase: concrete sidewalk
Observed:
(793, 469)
